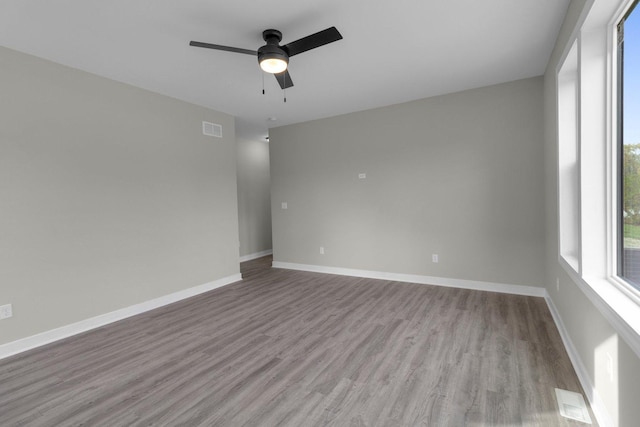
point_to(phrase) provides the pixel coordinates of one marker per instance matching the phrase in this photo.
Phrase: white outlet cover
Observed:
(6, 311)
(434, 258)
(284, 205)
(362, 176)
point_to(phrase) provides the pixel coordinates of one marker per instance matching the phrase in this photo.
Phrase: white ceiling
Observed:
(392, 51)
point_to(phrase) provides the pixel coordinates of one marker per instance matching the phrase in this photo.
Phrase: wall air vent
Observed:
(212, 129)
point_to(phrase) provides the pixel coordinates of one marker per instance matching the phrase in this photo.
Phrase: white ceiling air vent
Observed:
(212, 129)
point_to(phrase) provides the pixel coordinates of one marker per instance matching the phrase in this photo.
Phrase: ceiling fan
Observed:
(274, 58)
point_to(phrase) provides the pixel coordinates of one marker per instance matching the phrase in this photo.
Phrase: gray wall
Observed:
(109, 196)
(458, 175)
(254, 198)
(589, 331)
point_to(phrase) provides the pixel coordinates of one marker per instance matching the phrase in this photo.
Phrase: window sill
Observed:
(571, 262)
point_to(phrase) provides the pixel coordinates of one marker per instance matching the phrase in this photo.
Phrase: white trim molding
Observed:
(66, 331)
(414, 278)
(256, 255)
(596, 402)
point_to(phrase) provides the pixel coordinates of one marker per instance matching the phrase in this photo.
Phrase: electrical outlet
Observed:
(434, 258)
(321, 250)
(6, 311)
(362, 176)
(284, 205)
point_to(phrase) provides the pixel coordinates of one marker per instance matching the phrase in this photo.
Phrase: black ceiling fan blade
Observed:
(284, 79)
(219, 47)
(313, 41)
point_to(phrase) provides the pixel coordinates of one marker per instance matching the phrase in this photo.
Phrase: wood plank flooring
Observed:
(287, 348)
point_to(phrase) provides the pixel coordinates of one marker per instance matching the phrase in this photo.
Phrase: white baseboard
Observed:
(413, 278)
(66, 331)
(256, 255)
(597, 405)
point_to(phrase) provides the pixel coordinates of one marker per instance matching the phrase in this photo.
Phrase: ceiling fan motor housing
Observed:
(272, 49)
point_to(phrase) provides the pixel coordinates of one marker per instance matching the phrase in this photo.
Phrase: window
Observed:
(598, 114)
(568, 152)
(629, 146)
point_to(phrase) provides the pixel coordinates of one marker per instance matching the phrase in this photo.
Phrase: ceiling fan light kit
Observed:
(273, 65)
(274, 58)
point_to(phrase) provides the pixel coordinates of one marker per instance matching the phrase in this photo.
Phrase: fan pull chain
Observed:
(262, 83)
(284, 89)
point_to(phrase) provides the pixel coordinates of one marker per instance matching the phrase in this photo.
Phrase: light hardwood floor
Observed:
(286, 348)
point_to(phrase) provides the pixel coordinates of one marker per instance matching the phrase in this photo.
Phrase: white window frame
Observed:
(595, 271)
